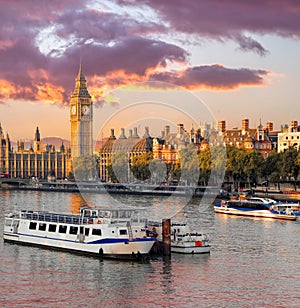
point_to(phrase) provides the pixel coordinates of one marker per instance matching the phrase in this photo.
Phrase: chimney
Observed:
(245, 125)
(180, 129)
(167, 130)
(135, 133)
(112, 134)
(222, 126)
(147, 134)
(130, 133)
(122, 136)
(269, 126)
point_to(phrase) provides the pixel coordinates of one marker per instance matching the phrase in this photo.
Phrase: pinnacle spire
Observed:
(80, 86)
(80, 75)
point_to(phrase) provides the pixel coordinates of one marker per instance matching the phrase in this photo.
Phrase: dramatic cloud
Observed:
(220, 20)
(122, 42)
(215, 77)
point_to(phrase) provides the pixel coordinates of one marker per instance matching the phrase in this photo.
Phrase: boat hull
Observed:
(109, 248)
(189, 248)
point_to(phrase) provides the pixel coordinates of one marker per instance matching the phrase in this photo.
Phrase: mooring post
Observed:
(166, 230)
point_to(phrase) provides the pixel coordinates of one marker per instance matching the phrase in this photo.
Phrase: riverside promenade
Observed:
(284, 195)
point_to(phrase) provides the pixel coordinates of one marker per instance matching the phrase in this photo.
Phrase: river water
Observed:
(253, 263)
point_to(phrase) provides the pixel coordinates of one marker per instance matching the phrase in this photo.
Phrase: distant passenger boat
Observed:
(253, 207)
(104, 233)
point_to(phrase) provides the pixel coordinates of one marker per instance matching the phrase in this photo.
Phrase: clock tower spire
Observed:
(81, 118)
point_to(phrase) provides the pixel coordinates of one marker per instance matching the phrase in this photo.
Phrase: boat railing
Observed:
(58, 218)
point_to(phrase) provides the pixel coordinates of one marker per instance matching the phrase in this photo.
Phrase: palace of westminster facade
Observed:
(42, 161)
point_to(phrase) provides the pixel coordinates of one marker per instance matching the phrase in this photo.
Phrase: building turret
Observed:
(37, 145)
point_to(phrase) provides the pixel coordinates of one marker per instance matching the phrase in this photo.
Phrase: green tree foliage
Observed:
(253, 164)
(119, 167)
(289, 165)
(189, 164)
(271, 168)
(204, 158)
(140, 166)
(158, 171)
(235, 166)
(85, 167)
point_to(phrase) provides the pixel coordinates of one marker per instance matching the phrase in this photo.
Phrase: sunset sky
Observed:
(240, 58)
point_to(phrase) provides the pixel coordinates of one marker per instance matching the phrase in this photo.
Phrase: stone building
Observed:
(248, 138)
(289, 137)
(41, 161)
(131, 146)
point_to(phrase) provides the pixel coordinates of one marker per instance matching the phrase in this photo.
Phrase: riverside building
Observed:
(41, 161)
(290, 137)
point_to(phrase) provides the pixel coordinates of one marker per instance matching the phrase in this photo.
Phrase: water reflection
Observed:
(247, 257)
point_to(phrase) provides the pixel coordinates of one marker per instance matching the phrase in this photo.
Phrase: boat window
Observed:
(97, 232)
(123, 232)
(8, 222)
(52, 228)
(62, 229)
(87, 231)
(73, 230)
(42, 227)
(32, 225)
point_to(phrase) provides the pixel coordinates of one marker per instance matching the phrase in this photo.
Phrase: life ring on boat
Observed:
(99, 221)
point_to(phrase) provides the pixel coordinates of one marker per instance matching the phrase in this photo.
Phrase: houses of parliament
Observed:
(44, 161)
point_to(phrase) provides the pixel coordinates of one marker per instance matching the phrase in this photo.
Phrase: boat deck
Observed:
(55, 217)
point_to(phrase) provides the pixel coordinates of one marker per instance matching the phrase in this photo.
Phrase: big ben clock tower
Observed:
(81, 117)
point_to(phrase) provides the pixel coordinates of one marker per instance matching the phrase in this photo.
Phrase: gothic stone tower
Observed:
(81, 117)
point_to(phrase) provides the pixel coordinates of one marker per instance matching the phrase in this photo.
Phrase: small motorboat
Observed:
(183, 240)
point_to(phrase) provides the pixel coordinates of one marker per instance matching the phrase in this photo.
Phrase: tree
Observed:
(140, 166)
(85, 167)
(189, 164)
(289, 166)
(158, 171)
(253, 163)
(205, 166)
(271, 168)
(119, 167)
(235, 165)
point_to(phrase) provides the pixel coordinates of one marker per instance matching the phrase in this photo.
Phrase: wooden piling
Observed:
(166, 233)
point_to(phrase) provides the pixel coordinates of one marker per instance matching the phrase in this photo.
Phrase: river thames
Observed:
(253, 263)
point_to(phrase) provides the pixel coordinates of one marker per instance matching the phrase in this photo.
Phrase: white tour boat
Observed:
(105, 233)
(183, 240)
(253, 207)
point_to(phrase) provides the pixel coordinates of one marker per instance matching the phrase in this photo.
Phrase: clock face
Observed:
(73, 110)
(85, 109)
